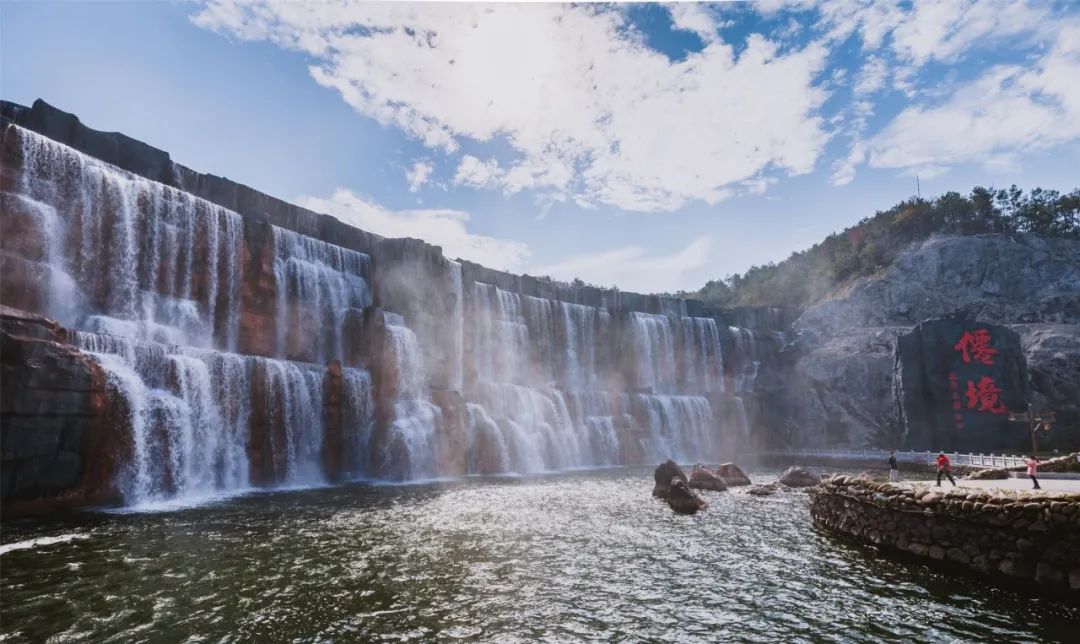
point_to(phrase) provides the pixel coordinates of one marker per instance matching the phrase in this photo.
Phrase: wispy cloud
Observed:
(590, 111)
(634, 265)
(592, 115)
(446, 228)
(418, 174)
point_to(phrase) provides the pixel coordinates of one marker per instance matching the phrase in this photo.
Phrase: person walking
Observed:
(944, 468)
(894, 472)
(1033, 466)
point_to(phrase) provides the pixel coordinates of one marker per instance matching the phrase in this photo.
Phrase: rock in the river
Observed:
(682, 499)
(799, 477)
(767, 489)
(702, 478)
(732, 475)
(664, 474)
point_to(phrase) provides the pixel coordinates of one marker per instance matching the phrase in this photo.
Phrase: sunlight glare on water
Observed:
(582, 556)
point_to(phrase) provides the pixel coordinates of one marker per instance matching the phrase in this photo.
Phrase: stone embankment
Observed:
(1022, 536)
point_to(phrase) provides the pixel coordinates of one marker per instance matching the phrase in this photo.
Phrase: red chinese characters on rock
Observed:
(984, 395)
(975, 346)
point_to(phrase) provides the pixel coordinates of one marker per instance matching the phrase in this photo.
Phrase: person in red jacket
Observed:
(944, 468)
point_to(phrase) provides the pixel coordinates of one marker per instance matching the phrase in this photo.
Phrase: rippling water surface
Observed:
(563, 558)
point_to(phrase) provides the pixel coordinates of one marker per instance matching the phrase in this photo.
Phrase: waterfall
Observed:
(745, 359)
(129, 255)
(530, 355)
(294, 399)
(317, 285)
(358, 419)
(653, 349)
(679, 427)
(676, 354)
(409, 452)
(565, 339)
(188, 417)
(151, 281)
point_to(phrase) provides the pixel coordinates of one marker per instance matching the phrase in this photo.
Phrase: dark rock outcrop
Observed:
(681, 499)
(955, 383)
(665, 473)
(702, 478)
(799, 477)
(732, 475)
(55, 414)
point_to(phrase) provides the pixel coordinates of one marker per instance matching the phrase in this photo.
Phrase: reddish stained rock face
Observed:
(702, 478)
(732, 475)
(63, 432)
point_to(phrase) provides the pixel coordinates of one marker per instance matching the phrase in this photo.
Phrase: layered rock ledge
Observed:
(1020, 536)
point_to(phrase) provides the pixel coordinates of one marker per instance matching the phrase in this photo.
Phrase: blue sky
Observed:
(649, 146)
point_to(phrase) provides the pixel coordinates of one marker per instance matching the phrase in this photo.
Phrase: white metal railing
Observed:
(956, 458)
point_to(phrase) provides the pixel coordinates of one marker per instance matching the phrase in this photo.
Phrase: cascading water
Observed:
(358, 420)
(128, 255)
(317, 285)
(188, 413)
(539, 381)
(409, 452)
(151, 276)
(529, 355)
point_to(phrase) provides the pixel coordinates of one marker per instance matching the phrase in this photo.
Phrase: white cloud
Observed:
(632, 268)
(1006, 110)
(591, 112)
(446, 228)
(478, 174)
(696, 18)
(872, 76)
(418, 175)
(945, 29)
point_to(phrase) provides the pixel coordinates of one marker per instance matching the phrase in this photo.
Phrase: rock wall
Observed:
(1031, 538)
(834, 382)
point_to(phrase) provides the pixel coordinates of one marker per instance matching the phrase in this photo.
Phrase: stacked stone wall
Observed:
(1021, 536)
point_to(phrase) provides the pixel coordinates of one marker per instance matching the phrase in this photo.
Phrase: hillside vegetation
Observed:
(873, 243)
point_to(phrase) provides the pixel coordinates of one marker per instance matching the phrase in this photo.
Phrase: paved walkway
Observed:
(1056, 485)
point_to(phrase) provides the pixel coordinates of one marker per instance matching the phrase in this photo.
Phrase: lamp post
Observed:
(1036, 421)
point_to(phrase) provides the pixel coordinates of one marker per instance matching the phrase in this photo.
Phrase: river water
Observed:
(572, 557)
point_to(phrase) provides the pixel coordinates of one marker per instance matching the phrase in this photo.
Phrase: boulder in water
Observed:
(796, 476)
(664, 474)
(702, 478)
(682, 499)
(732, 475)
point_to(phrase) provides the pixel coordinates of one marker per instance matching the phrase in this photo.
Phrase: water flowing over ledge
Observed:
(239, 353)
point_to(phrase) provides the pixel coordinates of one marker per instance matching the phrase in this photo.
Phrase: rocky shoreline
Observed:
(1031, 537)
